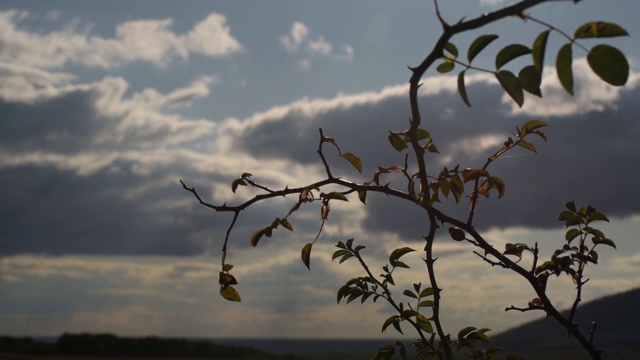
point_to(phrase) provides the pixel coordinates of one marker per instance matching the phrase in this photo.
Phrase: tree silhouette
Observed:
(429, 187)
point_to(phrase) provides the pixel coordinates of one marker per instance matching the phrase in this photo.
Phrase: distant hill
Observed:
(617, 333)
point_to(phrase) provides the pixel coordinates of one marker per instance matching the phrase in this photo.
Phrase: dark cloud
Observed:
(590, 157)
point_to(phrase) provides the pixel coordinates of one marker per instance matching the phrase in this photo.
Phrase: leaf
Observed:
(530, 126)
(324, 211)
(452, 49)
(236, 183)
(472, 174)
(426, 292)
(306, 255)
(227, 279)
(286, 224)
(396, 141)
(563, 67)
(426, 303)
(495, 182)
(599, 29)
(462, 90)
(527, 145)
(362, 195)
(609, 64)
(539, 49)
(246, 175)
(604, 241)
(389, 321)
(571, 234)
(466, 331)
(510, 84)
(530, 78)
(230, 293)
(509, 53)
(598, 216)
(479, 44)
(353, 160)
(398, 253)
(336, 196)
(445, 67)
(227, 267)
(256, 236)
(410, 293)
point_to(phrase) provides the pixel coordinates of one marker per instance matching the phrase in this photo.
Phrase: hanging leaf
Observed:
(226, 279)
(336, 196)
(227, 267)
(509, 53)
(563, 67)
(353, 160)
(286, 224)
(462, 90)
(599, 29)
(527, 145)
(511, 85)
(452, 49)
(230, 293)
(605, 241)
(479, 44)
(396, 141)
(306, 255)
(236, 183)
(609, 64)
(446, 67)
(539, 49)
(362, 195)
(324, 211)
(530, 127)
(256, 236)
(530, 79)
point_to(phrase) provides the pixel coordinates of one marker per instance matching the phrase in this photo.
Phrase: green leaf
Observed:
(445, 67)
(236, 183)
(246, 175)
(398, 253)
(572, 234)
(479, 335)
(609, 64)
(530, 126)
(354, 160)
(256, 236)
(509, 53)
(227, 279)
(396, 141)
(389, 321)
(452, 49)
(510, 84)
(466, 331)
(530, 78)
(424, 323)
(462, 90)
(563, 67)
(479, 44)
(306, 255)
(472, 174)
(571, 206)
(426, 292)
(410, 293)
(286, 224)
(527, 145)
(539, 49)
(599, 29)
(336, 196)
(230, 293)
(362, 195)
(339, 253)
(597, 216)
(604, 241)
(426, 303)
(227, 267)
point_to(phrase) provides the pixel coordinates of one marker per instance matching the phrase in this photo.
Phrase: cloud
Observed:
(300, 37)
(491, 2)
(138, 40)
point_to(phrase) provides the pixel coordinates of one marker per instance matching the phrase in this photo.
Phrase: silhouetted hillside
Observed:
(617, 318)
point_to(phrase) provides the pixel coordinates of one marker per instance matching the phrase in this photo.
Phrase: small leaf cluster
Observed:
(576, 253)
(606, 61)
(227, 281)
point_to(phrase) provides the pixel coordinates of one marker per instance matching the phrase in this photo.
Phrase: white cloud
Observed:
(591, 93)
(492, 2)
(299, 37)
(138, 40)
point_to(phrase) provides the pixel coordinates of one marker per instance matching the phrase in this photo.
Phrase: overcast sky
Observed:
(104, 106)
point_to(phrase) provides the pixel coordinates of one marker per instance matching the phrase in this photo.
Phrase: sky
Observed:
(105, 106)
